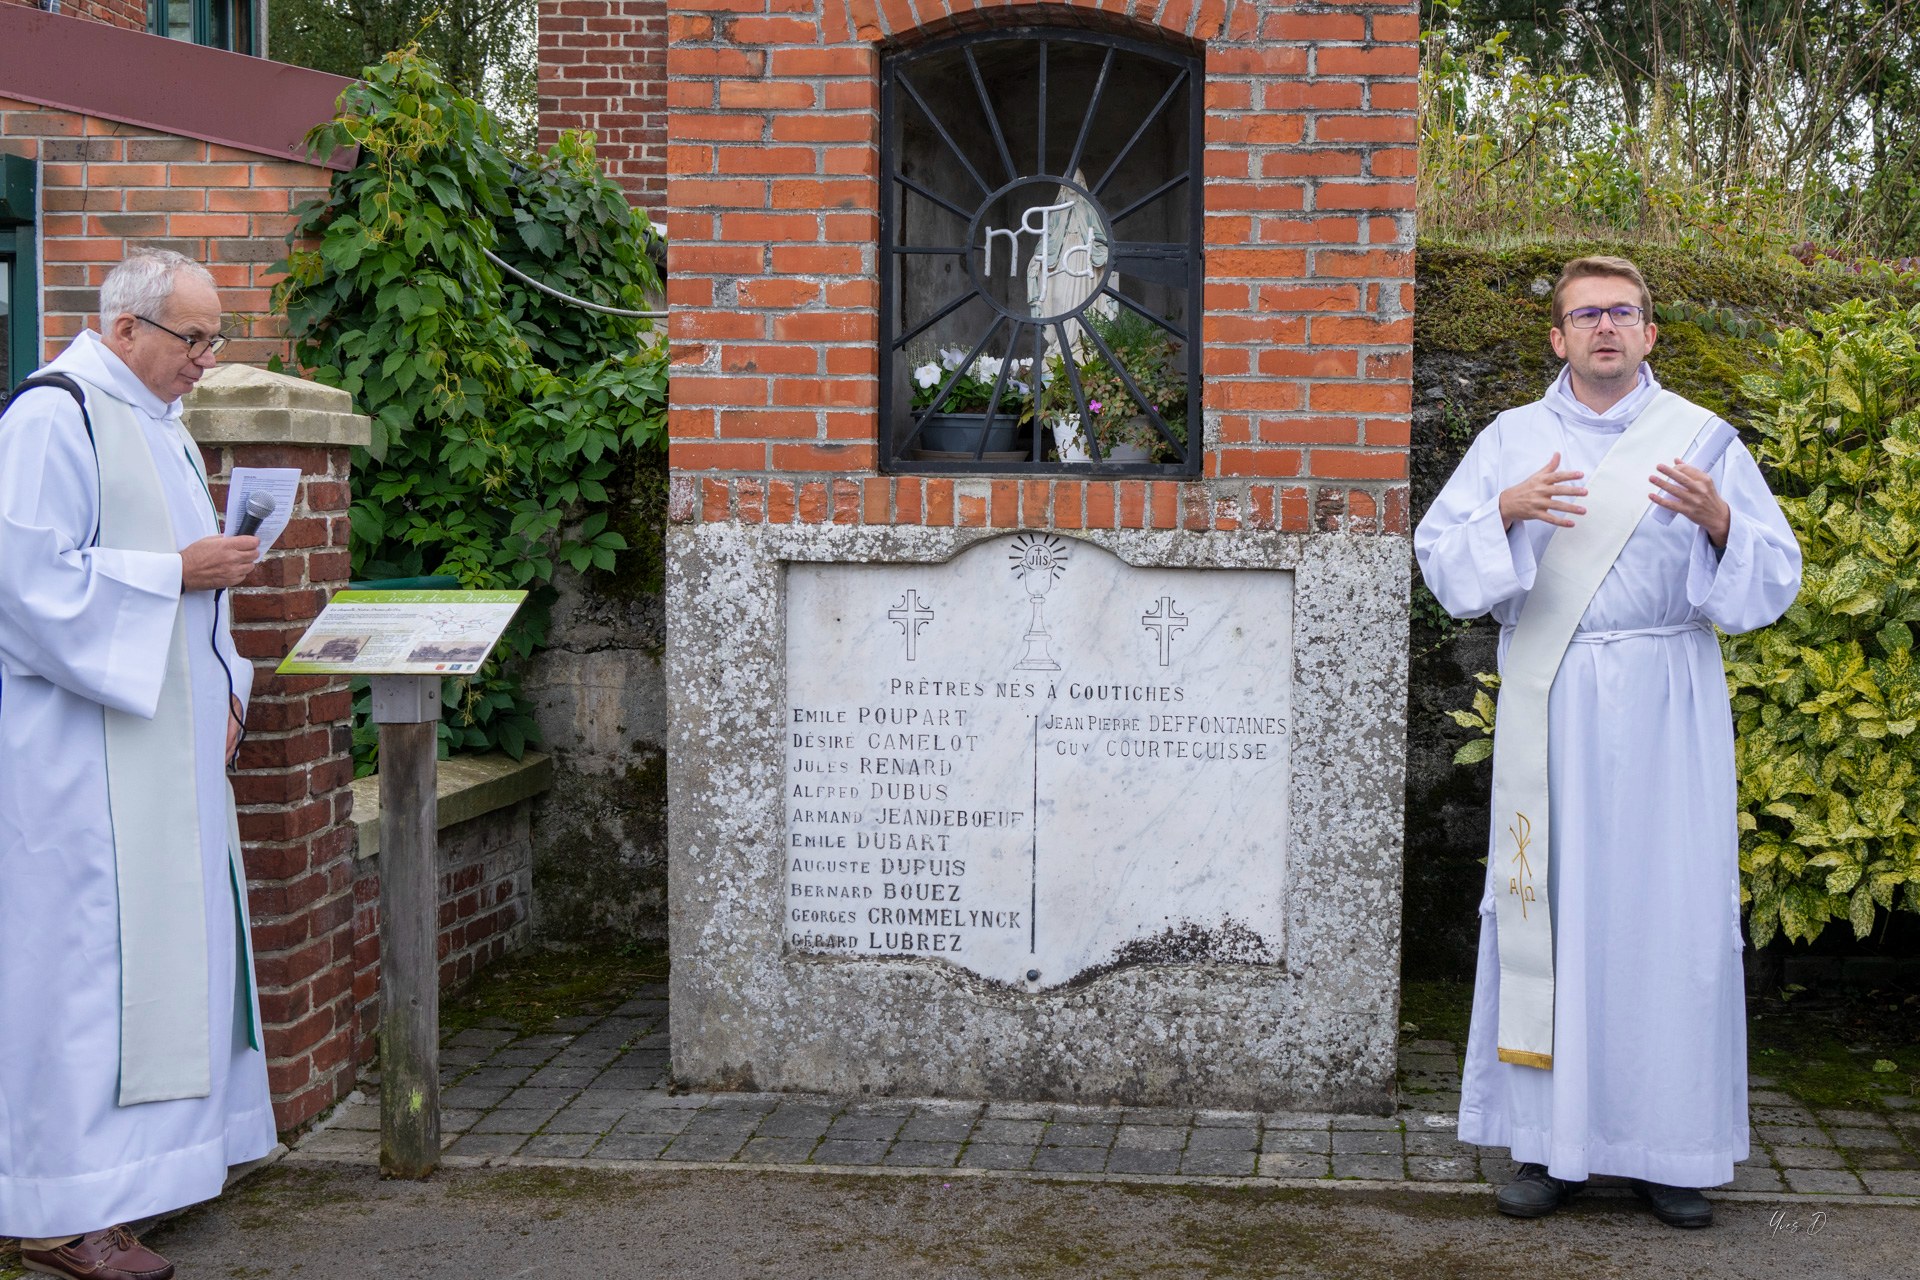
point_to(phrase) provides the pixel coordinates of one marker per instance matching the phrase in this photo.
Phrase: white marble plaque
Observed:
(1036, 761)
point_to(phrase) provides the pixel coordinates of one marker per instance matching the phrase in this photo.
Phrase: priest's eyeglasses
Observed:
(1623, 316)
(196, 347)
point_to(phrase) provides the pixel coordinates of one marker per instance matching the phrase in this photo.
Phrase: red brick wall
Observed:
(129, 14)
(486, 897)
(1307, 339)
(105, 187)
(294, 790)
(603, 67)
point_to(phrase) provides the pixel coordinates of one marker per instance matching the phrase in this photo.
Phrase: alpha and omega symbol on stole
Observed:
(911, 614)
(1167, 623)
(1521, 886)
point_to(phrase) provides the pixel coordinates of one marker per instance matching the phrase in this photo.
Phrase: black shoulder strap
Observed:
(63, 383)
(71, 386)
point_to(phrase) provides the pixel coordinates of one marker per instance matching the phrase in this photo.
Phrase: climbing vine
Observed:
(507, 424)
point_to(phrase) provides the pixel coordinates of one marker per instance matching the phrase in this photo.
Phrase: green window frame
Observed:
(217, 24)
(22, 271)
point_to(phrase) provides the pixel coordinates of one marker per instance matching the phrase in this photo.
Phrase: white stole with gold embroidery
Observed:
(1576, 561)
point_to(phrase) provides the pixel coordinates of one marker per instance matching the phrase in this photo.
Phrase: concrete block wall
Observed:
(1307, 339)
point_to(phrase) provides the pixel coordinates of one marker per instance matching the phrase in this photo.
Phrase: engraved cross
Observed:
(911, 615)
(1165, 621)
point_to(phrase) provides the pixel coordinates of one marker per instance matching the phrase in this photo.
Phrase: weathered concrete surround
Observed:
(1316, 1030)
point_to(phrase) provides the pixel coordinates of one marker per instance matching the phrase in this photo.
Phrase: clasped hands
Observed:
(1547, 495)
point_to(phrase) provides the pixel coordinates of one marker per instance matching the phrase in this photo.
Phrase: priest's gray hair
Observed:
(143, 282)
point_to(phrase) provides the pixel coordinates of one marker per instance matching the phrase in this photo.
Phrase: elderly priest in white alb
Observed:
(130, 1072)
(1609, 528)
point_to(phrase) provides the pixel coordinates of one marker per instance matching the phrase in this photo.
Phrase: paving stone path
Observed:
(598, 1089)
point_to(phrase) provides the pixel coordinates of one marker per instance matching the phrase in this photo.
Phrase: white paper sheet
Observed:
(282, 483)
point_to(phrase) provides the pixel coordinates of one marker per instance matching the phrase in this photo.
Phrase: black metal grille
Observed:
(1096, 134)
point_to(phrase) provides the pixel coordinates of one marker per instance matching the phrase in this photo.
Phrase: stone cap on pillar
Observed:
(242, 404)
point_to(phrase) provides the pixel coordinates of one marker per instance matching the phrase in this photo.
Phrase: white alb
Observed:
(1649, 1048)
(81, 629)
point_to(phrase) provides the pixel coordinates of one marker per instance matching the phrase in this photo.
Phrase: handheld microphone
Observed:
(259, 506)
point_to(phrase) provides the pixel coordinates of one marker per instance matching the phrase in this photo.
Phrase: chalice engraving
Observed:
(1038, 561)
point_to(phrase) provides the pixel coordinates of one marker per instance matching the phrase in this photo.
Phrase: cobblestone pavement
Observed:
(596, 1090)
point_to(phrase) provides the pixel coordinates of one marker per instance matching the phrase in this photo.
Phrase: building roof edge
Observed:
(170, 86)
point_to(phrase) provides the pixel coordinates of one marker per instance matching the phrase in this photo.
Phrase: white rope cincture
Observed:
(524, 278)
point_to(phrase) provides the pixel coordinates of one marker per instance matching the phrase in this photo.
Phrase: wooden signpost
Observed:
(407, 643)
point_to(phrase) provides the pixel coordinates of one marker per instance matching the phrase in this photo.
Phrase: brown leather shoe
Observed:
(102, 1255)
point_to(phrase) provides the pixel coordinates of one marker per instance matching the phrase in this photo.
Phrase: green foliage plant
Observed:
(1826, 701)
(1152, 362)
(1519, 142)
(989, 382)
(1480, 719)
(505, 422)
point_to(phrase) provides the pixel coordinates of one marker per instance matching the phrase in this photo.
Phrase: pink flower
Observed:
(1093, 406)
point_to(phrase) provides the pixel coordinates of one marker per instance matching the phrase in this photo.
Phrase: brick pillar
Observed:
(296, 769)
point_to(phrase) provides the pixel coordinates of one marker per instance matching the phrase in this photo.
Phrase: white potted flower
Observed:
(956, 421)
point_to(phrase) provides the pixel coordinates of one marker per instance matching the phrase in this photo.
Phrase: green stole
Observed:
(153, 794)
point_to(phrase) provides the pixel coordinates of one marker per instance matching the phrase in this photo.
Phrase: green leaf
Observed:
(366, 523)
(499, 414)
(1860, 913)
(1474, 752)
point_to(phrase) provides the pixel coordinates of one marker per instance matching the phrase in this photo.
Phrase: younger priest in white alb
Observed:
(1609, 1019)
(130, 1072)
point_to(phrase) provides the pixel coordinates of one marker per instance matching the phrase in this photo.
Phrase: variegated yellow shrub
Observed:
(1826, 702)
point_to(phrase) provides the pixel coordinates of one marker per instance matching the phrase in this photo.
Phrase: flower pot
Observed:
(1073, 447)
(961, 432)
(1126, 447)
(1066, 438)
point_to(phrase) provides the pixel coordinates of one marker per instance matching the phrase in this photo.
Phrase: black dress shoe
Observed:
(1535, 1193)
(1676, 1206)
